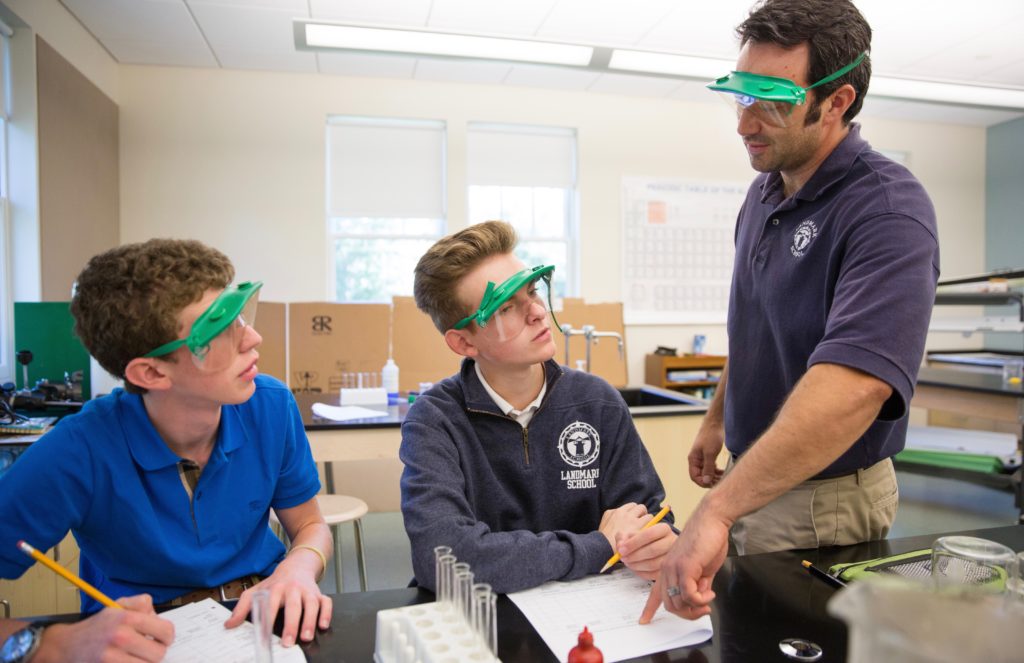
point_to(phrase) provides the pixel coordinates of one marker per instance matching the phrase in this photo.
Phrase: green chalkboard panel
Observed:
(47, 329)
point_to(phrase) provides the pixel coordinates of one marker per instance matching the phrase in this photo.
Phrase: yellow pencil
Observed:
(67, 575)
(650, 523)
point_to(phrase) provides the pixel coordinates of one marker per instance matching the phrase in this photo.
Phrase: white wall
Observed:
(236, 159)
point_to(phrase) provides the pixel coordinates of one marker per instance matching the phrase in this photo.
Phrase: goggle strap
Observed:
(833, 76)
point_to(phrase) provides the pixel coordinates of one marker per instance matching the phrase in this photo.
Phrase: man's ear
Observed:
(840, 102)
(461, 343)
(149, 373)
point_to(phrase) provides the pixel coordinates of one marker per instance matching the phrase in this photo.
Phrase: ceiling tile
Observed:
(160, 20)
(522, 18)
(256, 29)
(557, 78)
(412, 13)
(298, 6)
(358, 64)
(971, 58)
(640, 86)
(461, 71)
(132, 51)
(1008, 75)
(610, 22)
(698, 29)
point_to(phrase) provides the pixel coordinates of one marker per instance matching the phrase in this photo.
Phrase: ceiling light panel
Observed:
(320, 35)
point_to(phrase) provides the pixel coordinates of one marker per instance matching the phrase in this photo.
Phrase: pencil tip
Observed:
(604, 568)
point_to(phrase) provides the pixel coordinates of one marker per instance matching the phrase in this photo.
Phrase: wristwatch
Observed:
(20, 646)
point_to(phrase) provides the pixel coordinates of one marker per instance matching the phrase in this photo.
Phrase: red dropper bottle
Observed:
(585, 651)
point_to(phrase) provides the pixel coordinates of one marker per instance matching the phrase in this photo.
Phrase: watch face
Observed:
(18, 645)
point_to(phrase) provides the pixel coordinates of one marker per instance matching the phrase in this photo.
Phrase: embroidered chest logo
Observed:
(802, 238)
(579, 445)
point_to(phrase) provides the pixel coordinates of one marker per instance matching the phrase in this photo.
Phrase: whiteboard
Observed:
(677, 248)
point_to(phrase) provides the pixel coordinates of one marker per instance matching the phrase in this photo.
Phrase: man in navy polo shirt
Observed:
(167, 484)
(834, 280)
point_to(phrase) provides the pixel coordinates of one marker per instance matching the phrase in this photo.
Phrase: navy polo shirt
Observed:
(842, 272)
(106, 475)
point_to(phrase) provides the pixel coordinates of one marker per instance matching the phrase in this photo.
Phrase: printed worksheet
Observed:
(199, 635)
(609, 605)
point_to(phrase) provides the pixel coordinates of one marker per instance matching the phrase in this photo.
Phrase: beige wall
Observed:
(237, 159)
(78, 172)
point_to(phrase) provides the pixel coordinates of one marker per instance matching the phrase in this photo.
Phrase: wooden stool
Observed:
(338, 509)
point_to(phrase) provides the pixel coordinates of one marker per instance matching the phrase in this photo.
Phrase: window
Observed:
(6, 313)
(526, 175)
(385, 203)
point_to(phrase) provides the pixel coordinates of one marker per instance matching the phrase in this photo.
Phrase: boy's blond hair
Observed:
(446, 263)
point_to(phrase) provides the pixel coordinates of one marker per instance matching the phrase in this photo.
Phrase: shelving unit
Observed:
(658, 367)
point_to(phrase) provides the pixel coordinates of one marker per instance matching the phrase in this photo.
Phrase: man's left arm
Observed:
(293, 584)
(828, 410)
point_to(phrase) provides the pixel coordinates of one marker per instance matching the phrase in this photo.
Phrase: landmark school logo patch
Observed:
(579, 445)
(802, 238)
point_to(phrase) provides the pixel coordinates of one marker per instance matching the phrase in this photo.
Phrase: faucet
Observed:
(569, 332)
(592, 336)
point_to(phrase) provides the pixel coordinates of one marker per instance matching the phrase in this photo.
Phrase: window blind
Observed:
(380, 167)
(520, 155)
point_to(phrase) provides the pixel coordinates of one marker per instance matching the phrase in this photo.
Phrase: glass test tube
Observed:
(439, 552)
(445, 589)
(463, 586)
(485, 617)
(263, 625)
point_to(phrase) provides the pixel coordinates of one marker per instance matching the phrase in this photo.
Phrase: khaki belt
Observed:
(226, 592)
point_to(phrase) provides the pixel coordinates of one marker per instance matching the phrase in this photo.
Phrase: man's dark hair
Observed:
(836, 34)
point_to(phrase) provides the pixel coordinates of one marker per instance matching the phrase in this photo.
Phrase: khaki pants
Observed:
(839, 511)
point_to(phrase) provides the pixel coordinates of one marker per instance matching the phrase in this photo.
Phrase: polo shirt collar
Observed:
(833, 169)
(504, 405)
(477, 396)
(149, 450)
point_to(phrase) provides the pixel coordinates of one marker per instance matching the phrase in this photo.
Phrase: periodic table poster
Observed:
(677, 244)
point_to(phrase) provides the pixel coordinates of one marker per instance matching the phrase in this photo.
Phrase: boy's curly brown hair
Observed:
(126, 301)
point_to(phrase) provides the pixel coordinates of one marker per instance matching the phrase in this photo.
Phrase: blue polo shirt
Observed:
(106, 475)
(842, 272)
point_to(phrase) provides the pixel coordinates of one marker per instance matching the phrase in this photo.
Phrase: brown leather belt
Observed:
(226, 592)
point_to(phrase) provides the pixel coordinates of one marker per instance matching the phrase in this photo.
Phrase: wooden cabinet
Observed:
(40, 591)
(695, 374)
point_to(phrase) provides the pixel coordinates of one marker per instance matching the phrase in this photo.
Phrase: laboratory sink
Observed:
(655, 397)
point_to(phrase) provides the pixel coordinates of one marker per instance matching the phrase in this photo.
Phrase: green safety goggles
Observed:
(216, 334)
(770, 98)
(511, 319)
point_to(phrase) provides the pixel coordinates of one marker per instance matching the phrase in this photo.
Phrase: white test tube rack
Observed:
(427, 633)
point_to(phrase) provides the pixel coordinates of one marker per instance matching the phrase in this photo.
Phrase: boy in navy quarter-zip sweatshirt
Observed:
(530, 471)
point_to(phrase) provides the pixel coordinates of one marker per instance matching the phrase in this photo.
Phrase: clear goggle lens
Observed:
(773, 113)
(526, 305)
(222, 349)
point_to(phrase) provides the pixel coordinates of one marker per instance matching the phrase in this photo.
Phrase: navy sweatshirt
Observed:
(520, 505)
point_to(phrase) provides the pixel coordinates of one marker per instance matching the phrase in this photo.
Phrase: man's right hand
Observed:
(627, 519)
(133, 634)
(703, 454)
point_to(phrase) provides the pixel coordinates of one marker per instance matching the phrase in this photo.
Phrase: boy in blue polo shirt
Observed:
(528, 470)
(167, 484)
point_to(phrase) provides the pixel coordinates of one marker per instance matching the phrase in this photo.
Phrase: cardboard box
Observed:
(419, 349)
(270, 323)
(327, 340)
(604, 353)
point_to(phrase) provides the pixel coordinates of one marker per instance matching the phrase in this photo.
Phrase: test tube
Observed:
(263, 625)
(485, 617)
(439, 552)
(445, 593)
(463, 586)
